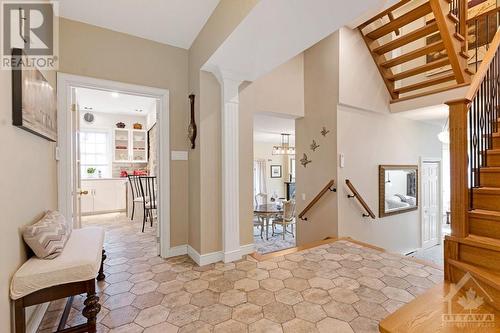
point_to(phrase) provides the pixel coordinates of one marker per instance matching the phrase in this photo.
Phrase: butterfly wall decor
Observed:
(305, 161)
(314, 145)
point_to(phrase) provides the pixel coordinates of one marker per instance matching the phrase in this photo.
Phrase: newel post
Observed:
(458, 110)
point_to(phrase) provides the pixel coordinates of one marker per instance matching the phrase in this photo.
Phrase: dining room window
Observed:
(95, 156)
(259, 177)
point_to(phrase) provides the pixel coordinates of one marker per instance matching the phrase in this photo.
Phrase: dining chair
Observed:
(260, 199)
(286, 219)
(149, 198)
(135, 188)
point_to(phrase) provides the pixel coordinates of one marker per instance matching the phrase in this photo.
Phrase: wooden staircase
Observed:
(401, 38)
(474, 245)
(472, 252)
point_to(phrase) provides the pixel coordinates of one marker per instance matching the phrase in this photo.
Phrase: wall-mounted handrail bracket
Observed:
(355, 194)
(329, 187)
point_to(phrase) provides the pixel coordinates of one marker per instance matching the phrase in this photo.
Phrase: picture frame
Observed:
(34, 102)
(276, 171)
(398, 182)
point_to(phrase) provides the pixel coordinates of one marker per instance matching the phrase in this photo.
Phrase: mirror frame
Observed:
(381, 189)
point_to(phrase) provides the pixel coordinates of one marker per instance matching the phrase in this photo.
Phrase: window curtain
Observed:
(259, 177)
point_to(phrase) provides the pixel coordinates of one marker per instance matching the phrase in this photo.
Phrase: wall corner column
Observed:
(230, 166)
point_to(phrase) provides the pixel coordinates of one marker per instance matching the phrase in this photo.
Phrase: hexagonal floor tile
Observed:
(247, 313)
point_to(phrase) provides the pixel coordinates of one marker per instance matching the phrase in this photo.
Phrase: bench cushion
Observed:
(79, 261)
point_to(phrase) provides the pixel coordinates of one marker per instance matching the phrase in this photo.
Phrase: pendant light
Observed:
(284, 148)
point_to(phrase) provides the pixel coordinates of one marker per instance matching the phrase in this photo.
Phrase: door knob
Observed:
(83, 192)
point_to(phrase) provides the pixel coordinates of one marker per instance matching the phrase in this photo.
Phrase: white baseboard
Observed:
(204, 259)
(247, 249)
(36, 318)
(213, 257)
(177, 251)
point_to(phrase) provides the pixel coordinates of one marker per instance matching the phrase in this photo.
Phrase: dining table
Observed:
(266, 212)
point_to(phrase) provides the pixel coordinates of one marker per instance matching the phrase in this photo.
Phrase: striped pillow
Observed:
(48, 236)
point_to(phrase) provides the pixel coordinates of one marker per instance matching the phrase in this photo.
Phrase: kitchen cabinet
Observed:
(130, 146)
(104, 196)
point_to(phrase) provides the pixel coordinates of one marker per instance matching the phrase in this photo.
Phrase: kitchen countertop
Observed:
(96, 179)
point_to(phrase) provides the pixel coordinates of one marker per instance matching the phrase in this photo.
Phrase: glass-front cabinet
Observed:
(130, 146)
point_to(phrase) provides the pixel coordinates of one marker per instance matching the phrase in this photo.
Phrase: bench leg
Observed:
(92, 307)
(101, 275)
(20, 316)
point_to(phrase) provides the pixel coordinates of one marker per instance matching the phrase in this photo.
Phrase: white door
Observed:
(431, 222)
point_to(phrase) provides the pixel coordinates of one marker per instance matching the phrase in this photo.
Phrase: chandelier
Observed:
(284, 148)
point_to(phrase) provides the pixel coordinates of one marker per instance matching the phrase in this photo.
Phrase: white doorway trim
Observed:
(64, 84)
(439, 161)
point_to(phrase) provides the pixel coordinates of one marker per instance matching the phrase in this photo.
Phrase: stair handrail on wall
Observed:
(472, 120)
(328, 187)
(355, 194)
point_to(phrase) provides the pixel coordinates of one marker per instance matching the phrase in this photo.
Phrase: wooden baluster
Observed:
(459, 167)
(463, 15)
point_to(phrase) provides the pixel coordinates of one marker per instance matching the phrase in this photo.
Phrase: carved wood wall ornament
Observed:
(192, 130)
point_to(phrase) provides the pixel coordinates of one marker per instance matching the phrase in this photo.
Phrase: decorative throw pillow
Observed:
(400, 196)
(48, 236)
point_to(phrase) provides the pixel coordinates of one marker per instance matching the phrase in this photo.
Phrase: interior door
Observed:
(431, 221)
(75, 158)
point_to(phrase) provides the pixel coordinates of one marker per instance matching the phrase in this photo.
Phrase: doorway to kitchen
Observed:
(113, 151)
(274, 183)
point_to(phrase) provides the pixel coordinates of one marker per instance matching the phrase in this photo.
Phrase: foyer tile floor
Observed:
(338, 287)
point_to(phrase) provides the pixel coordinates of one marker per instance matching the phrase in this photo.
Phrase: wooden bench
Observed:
(72, 273)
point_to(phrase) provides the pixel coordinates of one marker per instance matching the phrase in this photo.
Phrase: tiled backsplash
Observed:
(129, 167)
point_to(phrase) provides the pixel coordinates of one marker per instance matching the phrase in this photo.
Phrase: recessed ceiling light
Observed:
(115, 95)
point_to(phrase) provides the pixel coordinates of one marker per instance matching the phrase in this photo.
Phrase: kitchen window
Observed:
(95, 157)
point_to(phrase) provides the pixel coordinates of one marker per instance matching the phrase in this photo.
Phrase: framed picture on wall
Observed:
(33, 101)
(275, 171)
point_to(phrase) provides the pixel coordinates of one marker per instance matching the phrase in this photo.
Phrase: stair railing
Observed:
(472, 120)
(355, 194)
(484, 37)
(328, 187)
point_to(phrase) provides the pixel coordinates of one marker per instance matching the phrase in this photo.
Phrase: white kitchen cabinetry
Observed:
(104, 196)
(130, 145)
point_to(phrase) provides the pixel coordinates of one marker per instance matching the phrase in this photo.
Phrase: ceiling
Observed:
(436, 115)
(173, 22)
(268, 128)
(277, 30)
(92, 100)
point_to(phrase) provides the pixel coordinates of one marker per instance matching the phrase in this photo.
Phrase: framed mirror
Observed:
(398, 189)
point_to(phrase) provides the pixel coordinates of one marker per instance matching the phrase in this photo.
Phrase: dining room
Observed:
(274, 215)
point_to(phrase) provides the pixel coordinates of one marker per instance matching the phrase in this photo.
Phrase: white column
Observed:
(230, 168)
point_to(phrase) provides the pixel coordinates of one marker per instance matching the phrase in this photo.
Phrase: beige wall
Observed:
(380, 138)
(204, 211)
(321, 80)
(100, 53)
(211, 159)
(280, 93)
(28, 188)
